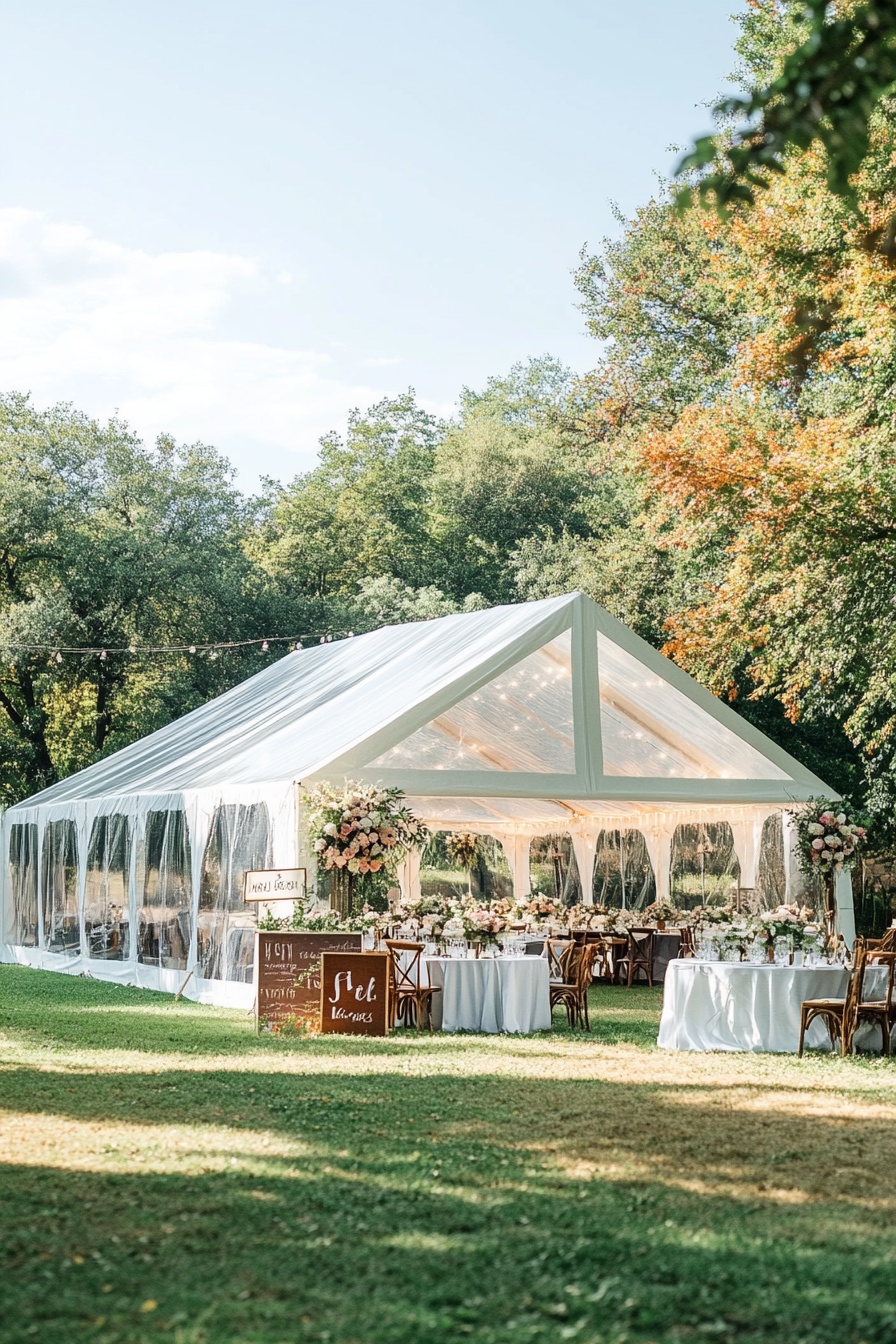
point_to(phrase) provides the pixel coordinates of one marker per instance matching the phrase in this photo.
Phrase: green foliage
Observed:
(104, 543)
(834, 70)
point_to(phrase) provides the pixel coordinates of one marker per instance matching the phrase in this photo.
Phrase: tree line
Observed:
(722, 480)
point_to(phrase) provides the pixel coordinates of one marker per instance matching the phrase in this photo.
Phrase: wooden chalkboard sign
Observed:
(287, 972)
(354, 993)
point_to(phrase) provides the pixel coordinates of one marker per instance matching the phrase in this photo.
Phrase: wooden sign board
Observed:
(275, 884)
(354, 993)
(287, 972)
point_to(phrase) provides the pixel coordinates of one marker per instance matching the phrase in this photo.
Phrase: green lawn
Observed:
(168, 1175)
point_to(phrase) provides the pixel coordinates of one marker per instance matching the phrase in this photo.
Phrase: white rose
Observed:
(833, 841)
(841, 818)
(818, 844)
(814, 828)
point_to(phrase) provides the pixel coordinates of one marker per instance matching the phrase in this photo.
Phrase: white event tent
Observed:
(546, 716)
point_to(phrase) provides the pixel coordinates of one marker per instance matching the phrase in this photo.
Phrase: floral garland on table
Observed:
(827, 839)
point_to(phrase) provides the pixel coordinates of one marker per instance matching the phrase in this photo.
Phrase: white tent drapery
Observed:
(542, 716)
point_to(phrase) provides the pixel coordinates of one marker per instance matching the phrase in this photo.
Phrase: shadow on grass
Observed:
(245, 1206)
(388, 1209)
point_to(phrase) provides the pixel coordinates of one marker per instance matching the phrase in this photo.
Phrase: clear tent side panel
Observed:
(705, 869)
(22, 912)
(59, 889)
(623, 874)
(107, 922)
(239, 841)
(553, 869)
(165, 892)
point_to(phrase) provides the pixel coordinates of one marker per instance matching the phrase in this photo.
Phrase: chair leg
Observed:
(803, 1025)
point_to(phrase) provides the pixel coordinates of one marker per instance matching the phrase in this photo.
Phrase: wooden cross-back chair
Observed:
(842, 1017)
(572, 991)
(885, 944)
(638, 957)
(687, 946)
(407, 993)
(558, 952)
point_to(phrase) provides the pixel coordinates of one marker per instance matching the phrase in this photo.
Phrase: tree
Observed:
(106, 544)
(361, 513)
(822, 85)
(767, 467)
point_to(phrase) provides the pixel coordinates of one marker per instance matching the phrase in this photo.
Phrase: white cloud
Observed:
(115, 328)
(380, 361)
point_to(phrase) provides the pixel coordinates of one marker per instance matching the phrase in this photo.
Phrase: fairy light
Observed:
(57, 652)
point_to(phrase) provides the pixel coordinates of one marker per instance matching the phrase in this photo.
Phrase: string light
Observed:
(56, 652)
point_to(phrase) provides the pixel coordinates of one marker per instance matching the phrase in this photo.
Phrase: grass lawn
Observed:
(168, 1175)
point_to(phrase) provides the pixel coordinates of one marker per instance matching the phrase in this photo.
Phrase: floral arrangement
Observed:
(482, 923)
(829, 841)
(707, 917)
(661, 910)
(361, 828)
(463, 849)
(539, 907)
(788, 921)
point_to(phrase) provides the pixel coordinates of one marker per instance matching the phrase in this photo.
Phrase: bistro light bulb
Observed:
(192, 648)
(131, 649)
(264, 645)
(103, 656)
(59, 657)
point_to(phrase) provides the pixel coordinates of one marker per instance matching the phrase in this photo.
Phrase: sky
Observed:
(235, 221)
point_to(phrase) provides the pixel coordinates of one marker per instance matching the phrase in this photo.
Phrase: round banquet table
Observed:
(491, 994)
(720, 1005)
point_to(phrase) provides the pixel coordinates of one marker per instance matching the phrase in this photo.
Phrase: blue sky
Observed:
(235, 221)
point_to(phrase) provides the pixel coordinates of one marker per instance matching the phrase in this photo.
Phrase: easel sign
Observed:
(287, 973)
(275, 884)
(354, 993)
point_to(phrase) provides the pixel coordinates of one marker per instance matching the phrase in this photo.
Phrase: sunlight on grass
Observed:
(419, 1188)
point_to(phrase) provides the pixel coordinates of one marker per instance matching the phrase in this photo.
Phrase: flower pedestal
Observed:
(830, 905)
(341, 892)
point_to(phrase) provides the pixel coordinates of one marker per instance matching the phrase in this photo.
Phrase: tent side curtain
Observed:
(239, 842)
(107, 918)
(165, 913)
(21, 916)
(59, 888)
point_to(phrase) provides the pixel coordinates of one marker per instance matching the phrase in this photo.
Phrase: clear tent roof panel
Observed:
(520, 720)
(650, 728)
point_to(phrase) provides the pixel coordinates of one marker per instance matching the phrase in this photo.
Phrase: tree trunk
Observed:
(341, 892)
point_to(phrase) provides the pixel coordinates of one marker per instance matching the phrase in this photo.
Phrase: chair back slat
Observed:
(405, 964)
(887, 959)
(853, 995)
(558, 954)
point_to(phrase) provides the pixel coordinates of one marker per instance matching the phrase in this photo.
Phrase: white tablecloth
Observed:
(491, 994)
(716, 1005)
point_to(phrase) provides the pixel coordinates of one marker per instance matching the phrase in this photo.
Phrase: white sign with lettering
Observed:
(275, 884)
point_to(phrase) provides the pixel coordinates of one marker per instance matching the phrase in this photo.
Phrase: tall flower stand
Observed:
(341, 892)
